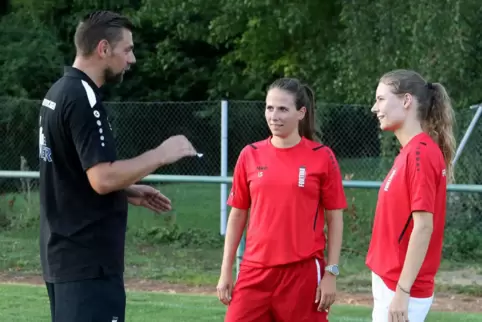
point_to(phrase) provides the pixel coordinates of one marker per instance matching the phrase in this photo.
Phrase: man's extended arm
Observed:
(97, 153)
(112, 176)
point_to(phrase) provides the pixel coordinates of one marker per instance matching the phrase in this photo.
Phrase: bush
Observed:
(173, 235)
(463, 232)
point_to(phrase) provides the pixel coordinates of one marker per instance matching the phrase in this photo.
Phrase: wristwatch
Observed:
(332, 269)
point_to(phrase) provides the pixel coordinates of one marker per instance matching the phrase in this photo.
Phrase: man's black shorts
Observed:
(101, 299)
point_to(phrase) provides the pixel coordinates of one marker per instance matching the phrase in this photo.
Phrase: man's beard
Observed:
(111, 77)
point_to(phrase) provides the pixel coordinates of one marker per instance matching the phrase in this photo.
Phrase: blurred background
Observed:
(191, 56)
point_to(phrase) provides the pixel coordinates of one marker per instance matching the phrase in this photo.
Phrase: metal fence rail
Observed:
(220, 129)
(159, 178)
(348, 184)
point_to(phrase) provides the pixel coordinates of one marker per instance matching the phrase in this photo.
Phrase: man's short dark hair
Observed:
(97, 26)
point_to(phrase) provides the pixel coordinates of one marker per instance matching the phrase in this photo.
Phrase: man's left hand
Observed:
(148, 197)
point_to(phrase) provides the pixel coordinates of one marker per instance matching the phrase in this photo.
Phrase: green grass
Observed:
(144, 306)
(195, 206)
(154, 253)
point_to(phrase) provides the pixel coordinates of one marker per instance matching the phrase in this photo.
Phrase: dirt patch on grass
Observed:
(443, 301)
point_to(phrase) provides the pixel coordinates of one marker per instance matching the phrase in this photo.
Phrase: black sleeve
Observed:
(90, 132)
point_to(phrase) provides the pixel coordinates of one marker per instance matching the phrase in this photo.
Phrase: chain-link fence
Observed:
(351, 131)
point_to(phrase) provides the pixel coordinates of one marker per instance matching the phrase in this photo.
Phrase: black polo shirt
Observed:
(82, 233)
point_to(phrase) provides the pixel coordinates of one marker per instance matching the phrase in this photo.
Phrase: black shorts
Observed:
(101, 299)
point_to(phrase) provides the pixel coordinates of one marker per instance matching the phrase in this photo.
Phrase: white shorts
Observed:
(418, 308)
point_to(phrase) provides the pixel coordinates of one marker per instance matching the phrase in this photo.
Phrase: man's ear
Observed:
(103, 48)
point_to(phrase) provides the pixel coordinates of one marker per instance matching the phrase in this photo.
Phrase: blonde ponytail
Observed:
(439, 124)
(435, 110)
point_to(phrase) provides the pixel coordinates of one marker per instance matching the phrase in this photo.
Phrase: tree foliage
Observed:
(194, 50)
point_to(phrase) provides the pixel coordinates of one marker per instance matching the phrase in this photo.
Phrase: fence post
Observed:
(468, 132)
(224, 165)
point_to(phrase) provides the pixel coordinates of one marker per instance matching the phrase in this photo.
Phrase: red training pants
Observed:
(279, 294)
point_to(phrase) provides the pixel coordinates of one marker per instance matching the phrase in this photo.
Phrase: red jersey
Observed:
(287, 191)
(416, 182)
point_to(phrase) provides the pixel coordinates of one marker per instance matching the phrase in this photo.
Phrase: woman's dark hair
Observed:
(304, 96)
(435, 110)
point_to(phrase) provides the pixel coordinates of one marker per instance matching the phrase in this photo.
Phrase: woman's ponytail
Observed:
(439, 124)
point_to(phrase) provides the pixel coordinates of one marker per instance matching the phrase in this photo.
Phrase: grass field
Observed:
(184, 247)
(152, 250)
(155, 252)
(143, 307)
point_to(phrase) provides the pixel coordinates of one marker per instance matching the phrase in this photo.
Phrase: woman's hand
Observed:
(225, 288)
(326, 292)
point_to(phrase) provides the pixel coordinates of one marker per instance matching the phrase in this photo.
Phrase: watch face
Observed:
(335, 270)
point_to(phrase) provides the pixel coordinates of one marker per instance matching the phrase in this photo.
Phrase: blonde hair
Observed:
(435, 110)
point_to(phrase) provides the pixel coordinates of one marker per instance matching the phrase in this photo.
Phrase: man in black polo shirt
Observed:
(84, 188)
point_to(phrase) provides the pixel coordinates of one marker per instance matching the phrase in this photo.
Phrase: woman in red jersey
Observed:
(289, 182)
(406, 245)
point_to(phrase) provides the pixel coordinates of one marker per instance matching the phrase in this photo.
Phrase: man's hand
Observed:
(148, 197)
(398, 310)
(326, 292)
(175, 148)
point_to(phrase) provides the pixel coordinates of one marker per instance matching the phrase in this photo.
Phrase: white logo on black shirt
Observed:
(44, 152)
(93, 102)
(49, 104)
